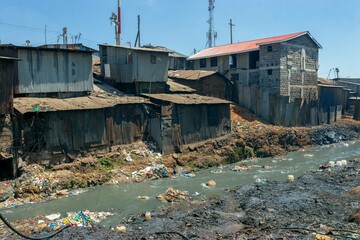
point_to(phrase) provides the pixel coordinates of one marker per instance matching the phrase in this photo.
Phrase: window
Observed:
(269, 72)
(254, 57)
(153, 59)
(213, 61)
(235, 77)
(233, 61)
(203, 63)
(269, 48)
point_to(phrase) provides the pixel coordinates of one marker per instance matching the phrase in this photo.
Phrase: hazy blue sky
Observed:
(182, 24)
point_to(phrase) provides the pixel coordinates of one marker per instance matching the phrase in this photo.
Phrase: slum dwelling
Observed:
(134, 70)
(183, 119)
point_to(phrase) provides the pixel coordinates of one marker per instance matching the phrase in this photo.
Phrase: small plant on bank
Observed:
(106, 162)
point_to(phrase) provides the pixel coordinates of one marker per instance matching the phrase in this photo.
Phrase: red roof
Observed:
(245, 46)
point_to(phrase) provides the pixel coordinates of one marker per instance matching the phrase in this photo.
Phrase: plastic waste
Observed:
(339, 163)
(53, 216)
(290, 178)
(147, 216)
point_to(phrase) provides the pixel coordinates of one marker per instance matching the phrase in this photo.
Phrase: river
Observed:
(123, 201)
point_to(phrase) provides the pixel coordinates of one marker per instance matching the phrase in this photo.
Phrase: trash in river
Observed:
(308, 155)
(143, 197)
(172, 195)
(290, 178)
(242, 168)
(154, 170)
(211, 183)
(339, 163)
(216, 171)
(120, 228)
(147, 216)
(188, 175)
(332, 163)
(53, 216)
(261, 180)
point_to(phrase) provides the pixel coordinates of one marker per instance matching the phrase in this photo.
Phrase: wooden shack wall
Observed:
(200, 122)
(83, 129)
(7, 75)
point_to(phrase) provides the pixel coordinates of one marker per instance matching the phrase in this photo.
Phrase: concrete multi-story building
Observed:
(286, 65)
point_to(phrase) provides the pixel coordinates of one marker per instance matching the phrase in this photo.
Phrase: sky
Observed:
(181, 25)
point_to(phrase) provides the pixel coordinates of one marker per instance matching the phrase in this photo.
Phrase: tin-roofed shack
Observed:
(134, 70)
(81, 123)
(187, 118)
(207, 83)
(50, 72)
(7, 74)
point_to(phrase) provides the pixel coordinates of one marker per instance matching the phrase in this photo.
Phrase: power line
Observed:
(27, 28)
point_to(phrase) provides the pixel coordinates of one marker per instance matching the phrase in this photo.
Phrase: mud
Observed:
(318, 201)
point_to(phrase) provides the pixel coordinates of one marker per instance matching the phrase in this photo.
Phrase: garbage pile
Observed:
(76, 219)
(173, 195)
(155, 170)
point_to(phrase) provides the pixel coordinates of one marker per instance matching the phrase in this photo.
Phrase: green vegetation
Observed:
(106, 162)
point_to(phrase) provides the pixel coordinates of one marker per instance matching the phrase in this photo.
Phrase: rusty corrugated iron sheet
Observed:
(186, 98)
(7, 75)
(177, 87)
(190, 74)
(246, 46)
(32, 104)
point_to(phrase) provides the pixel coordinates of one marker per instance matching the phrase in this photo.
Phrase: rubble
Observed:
(173, 195)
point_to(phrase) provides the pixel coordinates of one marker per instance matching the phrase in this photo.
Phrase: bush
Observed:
(106, 162)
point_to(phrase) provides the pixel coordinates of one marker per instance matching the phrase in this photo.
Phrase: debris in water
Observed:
(143, 197)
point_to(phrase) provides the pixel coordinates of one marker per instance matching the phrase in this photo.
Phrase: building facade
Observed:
(285, 65)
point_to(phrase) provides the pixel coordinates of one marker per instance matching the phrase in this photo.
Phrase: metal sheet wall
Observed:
(7, 74)
(80, 130)
(44, 71)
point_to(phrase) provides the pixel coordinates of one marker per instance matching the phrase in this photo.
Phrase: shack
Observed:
(183, 119)
(75, 124)
(134, 70)
(50, 72)
(8, 164)
(207, 83)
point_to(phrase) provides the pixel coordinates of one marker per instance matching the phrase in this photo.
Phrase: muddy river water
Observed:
(123, 199)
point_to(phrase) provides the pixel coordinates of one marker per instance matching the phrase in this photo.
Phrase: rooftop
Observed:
(188, 99)
(177, 87)
(94, 101)
(190, 74)
(137, 48)
(246, 46)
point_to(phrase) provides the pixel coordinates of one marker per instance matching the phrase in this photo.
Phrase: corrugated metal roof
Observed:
(137, 48)
(44, 48)
(186, 98)
(177, 87)
(190, 74)
(246, 46)
(97, 101)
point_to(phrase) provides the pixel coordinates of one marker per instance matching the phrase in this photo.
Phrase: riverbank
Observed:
(251, 138)
(324, 201)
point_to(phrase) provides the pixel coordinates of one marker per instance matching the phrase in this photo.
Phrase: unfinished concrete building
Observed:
(267, 70)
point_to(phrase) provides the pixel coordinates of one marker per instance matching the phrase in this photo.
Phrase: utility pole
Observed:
(231, 34)
(115, 19)
(45, 35)
(118, 42)
(64, 35)
(137, 40)
(211, 34)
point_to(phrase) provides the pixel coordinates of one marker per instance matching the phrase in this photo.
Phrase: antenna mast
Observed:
(211, 34)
